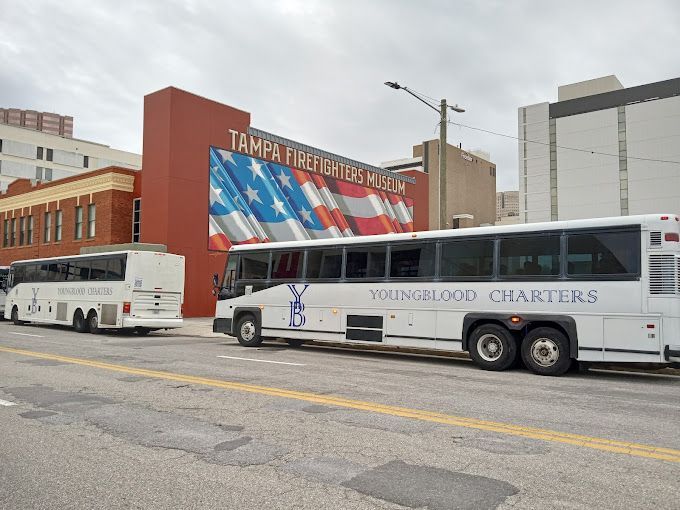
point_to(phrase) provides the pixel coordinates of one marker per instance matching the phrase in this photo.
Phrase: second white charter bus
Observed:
(137, 290)
(597, 290)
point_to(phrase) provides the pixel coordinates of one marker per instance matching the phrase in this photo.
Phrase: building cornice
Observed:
(98, 183)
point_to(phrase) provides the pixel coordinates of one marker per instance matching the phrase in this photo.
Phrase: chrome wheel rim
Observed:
(94, 322)
(545, 352)
(490, 347)
(248, 331)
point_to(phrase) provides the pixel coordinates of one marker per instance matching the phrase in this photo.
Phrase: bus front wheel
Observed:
(248, 331)
(545, 351)
(15, 317)
(79, 322)
(492, 347)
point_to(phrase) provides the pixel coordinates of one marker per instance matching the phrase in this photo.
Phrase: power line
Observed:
(560, 146)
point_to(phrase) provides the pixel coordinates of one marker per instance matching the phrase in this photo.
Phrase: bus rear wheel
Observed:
(93, 322)
(15, 317)
(492, 347)
(545, 351)
(248, 331)
(79, 322)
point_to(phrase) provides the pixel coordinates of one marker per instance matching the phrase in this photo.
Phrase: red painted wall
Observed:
(420, 194)
(179, 127)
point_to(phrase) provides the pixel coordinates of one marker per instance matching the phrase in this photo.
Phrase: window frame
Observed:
(47, 227)
(419, 243)
(91, 220)
(78, 223)
(635, 229)
(449, 278)
(58, 225)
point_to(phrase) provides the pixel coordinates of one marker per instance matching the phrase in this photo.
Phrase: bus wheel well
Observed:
(482, 322)
(240, 312)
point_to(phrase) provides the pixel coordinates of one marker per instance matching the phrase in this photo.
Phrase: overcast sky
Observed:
(314, 71)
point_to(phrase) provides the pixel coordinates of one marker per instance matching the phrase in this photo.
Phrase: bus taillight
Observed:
(126, 307)
(672, 237)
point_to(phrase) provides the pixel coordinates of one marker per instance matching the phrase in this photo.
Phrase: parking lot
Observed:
(192, 419)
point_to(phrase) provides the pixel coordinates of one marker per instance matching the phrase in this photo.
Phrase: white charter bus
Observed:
(4, 273)
(139, 290)
(598, 290)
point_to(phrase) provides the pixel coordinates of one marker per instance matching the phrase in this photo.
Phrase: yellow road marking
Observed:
(597, 443)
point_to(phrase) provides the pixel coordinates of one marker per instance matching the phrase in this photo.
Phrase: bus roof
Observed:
(92, 255)
(644, 219)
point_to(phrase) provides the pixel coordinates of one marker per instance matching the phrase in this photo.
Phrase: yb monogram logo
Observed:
(297, 307)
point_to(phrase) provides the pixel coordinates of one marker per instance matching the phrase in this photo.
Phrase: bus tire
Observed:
(545, 351)
(248, 331)
(15, 316)
(79, 322)
(492, 347)
(295, 342)
(93, 322)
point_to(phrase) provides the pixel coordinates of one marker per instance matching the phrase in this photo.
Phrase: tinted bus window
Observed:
(324, 263)
(603, 253)
(287, 264)
(467, 258)
(116, 268)
(366, 262)
(530, 256)
(412, 260)
(98, 269)
(254, 266)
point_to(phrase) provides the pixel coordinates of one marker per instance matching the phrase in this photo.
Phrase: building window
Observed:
(48, 174)
(0, 144)
(49, 154)
(48, 227)
(86, 161)
(22, 232)
(29, 230)
(79, 222)
(136, 219)
(38, 173)
(13, 239)
(91, 219)
(39, 153)
(57, 225)
(5, 233)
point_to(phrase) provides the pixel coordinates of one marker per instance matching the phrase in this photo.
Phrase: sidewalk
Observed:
(194, 326)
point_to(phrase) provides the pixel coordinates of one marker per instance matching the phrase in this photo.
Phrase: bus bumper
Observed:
(672, 354)
(133, 322)
(222, 326)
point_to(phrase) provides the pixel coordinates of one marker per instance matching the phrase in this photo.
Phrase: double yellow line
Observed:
(596, 443)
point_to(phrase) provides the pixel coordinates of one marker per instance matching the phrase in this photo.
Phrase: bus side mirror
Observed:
(216, 279)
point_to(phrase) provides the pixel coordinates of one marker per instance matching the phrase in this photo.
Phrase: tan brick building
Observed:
(470, 184)
(59, 218)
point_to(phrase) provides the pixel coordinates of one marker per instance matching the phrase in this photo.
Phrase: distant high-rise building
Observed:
(507, 204)
(51, 123)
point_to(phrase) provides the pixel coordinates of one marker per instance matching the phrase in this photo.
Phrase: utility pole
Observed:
(442, 110)
(443, 218)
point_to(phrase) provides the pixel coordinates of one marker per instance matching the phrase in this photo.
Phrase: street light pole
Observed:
(442, 110)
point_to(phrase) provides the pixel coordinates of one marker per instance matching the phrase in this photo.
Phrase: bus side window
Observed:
(412, 260)
(324, 264)
(254, 266)
(116, 268)
(98, 269)
(287, 265)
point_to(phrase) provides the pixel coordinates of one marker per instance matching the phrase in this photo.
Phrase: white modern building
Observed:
(600, 150)
(31, 154)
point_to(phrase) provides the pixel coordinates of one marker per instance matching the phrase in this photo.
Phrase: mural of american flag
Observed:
(254, 201)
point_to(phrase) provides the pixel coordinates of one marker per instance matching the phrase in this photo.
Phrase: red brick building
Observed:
(61, 217)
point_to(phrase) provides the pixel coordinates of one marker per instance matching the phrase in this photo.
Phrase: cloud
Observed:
(314, 71)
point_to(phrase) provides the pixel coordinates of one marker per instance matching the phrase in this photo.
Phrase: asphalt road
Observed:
(115, 421)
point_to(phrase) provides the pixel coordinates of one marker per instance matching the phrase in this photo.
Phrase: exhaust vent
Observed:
(655, 239)
(662, 274)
